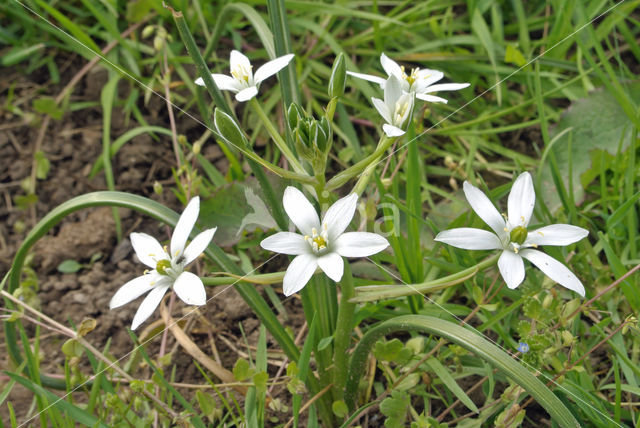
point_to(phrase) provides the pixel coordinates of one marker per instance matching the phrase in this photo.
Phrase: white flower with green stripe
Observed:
(513, 238)
(242, 81)
(321, 244)
(419, 81)
(167, 267)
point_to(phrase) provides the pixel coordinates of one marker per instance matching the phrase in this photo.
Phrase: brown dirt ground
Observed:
(72, 144)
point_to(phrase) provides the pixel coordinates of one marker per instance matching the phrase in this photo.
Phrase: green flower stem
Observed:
(371, 293)
(277, 138)
(299, 177)
(230, 278)
(342, 334)
(341, 178)
(199, 62)
(469, 340)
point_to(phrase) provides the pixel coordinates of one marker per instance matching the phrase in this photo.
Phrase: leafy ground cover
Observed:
(102, 96)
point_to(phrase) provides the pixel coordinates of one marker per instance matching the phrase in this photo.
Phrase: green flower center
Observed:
(162, 266)
(518, 234)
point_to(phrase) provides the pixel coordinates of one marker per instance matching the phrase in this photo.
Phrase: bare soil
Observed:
(72, 144)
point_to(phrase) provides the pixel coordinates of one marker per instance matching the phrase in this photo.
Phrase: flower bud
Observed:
(568, 339)
(312, 137)
(158, 43)
(338, 77)
(294, 114)
(148, 31)
(228, 129)
(157, 187)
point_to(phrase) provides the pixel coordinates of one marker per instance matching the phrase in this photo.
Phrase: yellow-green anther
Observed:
(518, 234)
(162, 266)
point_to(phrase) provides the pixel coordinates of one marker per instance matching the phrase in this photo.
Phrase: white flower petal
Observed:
(272, 67)
(333, 265)
(185, 225)
(470, 239)
(339, 215)
(148, 305)
(190, 289)
(382, 108)
(391, 67)
(247, 93)
(392, 92)
(431, 98)
(198, 245)
(300, 211)
(226, 83)
(148, 249)
(298, 273)
(522, 198)
(286, 243)
(238, 60)
(375, 79)
(555, 234)
(392, 131)
(131, 290)
(511, 268)
(427, 77)
(446, 87)
(554, 270)
(485, 209)
(359, 244)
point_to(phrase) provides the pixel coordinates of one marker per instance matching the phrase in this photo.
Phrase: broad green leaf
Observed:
(242, 370)
(594, 123)
(395, 408)
(48, 105)
(69, 266)
(234, 208)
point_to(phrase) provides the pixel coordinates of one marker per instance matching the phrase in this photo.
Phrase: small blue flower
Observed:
(523, 347)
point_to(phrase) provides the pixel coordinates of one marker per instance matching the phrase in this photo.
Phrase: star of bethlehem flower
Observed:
(242, 81)
(396, 107)
(419, 81)
(167, 267)
(512, 237)
(321, 244)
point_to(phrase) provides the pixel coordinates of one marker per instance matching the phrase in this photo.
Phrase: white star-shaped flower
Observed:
(167, 268)
(242, 80)
(512, 237)
(419, 81)
(396, 107)
(321, 244)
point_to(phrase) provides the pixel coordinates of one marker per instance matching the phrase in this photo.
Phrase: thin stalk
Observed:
(342, 334)
(371, 293)
(230, 278)
(201, 66)
(341, 178)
